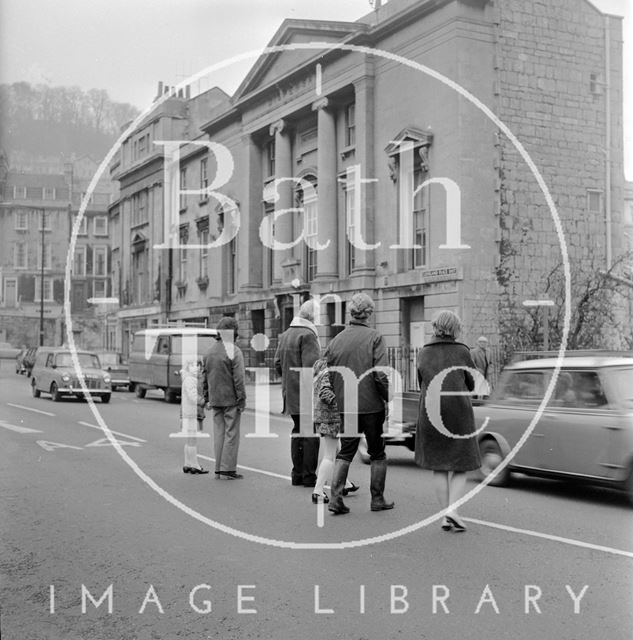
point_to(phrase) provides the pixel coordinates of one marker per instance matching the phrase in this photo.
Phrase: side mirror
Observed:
(109, 368)
(53, 366)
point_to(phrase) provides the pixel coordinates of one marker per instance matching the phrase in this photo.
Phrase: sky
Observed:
(127, 46)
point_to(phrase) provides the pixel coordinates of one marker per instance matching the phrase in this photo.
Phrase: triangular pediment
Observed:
(273, 65)
(415, 135)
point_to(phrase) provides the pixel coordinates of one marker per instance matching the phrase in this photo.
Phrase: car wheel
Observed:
(171, 396)
(362, 450)
(492, 456)
(628, 485)
(55, 395)
(34, 390)
(105, 398)
(140, 391)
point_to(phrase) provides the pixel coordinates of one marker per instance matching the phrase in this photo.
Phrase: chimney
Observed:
(188, 91)
(159, 93)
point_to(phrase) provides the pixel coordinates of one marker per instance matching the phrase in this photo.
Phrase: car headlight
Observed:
(106, 379)
(65, 378)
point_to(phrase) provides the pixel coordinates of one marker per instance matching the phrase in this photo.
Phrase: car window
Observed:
(525, 387)
(87, 360)
(620, 382)
(49, 360)
(203, 344)
(163, 345)
(108, 359)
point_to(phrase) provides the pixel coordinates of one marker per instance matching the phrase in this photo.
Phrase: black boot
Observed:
(339, 475)
(378, 475)
(296, 454)
(310, 460)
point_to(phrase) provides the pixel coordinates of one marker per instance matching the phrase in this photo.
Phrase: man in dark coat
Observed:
(299, 348)
(360, 348)
(224, 366)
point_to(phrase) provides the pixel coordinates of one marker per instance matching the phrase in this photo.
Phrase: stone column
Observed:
(364, 156)
(283, 169)
(250, 250)
(327, 190)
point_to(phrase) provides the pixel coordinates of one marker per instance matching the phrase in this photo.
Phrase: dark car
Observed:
(116, 367)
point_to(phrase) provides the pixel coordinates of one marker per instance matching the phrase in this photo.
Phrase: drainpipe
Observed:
(607, 106)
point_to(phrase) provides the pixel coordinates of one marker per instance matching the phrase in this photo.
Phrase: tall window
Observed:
(231, 284)
(99, 259)
(420, 218)
(99, 288)
(46, 218)
(594, 201)
(48, 289)
(204, 177)
(140, 277)
(21, 221)
(83, 227)
(79, 262)
(139, 208)
(182, 255)
(270, 159)
(310, 211)
(47, 256)
(20, 260)
(100, 226)
(183, 187)
(19, 193)
(350, 125)
(269, 259)
(350, 203)
(49, 193)
(203, 235)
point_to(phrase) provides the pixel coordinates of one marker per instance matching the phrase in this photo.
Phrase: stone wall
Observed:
(551, 93)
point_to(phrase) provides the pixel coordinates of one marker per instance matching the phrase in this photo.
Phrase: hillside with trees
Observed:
(43, 121)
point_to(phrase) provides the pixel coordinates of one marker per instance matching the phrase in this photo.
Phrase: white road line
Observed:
(484, 523)
(21, 406)
(547, 536)
(17, 429)
(118, 433)
(240, 466)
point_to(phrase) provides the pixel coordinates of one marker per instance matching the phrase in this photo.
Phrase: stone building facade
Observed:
(383, 137)
(52, 201)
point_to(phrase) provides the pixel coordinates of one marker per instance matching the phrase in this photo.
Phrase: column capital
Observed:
(321, 103)
(277, 127)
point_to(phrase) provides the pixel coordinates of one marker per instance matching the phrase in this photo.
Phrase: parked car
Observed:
(19, 361)
(54, 373)
(156, 358)
(585, 432)
(116, 367)
(28, 360)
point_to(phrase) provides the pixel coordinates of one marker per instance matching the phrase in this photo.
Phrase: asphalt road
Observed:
(194, 557)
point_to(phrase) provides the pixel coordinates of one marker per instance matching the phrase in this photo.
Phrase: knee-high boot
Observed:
(378, 475)
(339, 475)
(296, 454)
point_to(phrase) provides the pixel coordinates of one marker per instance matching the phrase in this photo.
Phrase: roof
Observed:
(178, 331)
(580, 362)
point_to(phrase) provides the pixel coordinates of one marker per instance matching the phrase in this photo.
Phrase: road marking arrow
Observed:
(17, 429)
(51, 446)
(104, 442)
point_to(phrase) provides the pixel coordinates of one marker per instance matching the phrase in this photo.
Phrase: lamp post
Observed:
(545, 304)
(42, 282)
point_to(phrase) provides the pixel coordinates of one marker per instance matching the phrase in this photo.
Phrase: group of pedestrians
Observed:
(352, 373)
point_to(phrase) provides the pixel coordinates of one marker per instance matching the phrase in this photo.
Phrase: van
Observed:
(156, 358)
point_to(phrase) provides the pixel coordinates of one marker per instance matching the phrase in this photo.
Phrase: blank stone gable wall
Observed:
(545, 54)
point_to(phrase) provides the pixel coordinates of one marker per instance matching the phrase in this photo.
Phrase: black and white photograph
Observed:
(316, 319)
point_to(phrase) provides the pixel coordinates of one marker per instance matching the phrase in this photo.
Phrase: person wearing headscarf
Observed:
(443, 442)
(299, 348)
(193, 399)
(361, 349)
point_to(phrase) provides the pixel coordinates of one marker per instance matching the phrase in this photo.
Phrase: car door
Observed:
(577, 426)
(512, 408)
